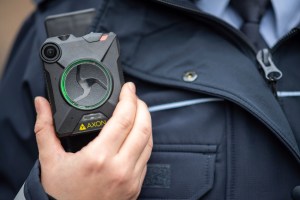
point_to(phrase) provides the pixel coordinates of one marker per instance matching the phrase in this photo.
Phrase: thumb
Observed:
(48, 144)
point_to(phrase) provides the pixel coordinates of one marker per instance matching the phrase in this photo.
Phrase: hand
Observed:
(112, 166)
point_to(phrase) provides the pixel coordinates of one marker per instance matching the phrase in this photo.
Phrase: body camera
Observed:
(83, 79)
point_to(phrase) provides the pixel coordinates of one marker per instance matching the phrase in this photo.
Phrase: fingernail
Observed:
(131, 86)
(37, 104)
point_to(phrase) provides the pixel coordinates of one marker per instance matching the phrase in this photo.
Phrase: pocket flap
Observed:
(179, 172)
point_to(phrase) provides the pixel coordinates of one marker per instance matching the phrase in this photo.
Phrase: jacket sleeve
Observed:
(32, 189)
(18, 150)
(21, 82)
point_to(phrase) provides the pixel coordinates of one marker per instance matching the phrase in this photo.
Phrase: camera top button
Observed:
(64, 37)
(92, 37)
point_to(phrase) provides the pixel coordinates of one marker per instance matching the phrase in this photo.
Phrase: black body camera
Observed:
(83, 79)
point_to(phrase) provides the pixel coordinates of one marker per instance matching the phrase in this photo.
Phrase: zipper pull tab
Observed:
(264, 58)
(271, 72)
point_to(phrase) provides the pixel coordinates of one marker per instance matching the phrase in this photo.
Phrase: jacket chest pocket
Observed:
(179, 172)
(182, 164)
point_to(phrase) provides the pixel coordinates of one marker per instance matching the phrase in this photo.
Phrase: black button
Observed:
(64, 37)
(296, 193)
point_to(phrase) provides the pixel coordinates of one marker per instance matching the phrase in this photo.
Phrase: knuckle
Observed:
(129, 185)
(40, 125)
(100, 162)
(132, 98)
(143, 104)
(146, 113)
(95, 163)
(125, 114)
(43, 160)
(130, 101)
(122, 176)
(150, 144)
(146, 130)
(125, 121)
(134, 189)
(125, 177)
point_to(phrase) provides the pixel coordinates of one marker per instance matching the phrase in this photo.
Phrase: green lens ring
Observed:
(92, 62)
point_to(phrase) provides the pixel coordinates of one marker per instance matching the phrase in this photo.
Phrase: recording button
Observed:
(93, 116)
(64, 37)
(92, 37)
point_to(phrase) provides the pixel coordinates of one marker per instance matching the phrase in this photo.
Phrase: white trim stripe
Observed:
(20, 195)
(180, 104)
(288, 93)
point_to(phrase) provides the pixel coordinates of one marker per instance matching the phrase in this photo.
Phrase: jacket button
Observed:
(296, 193)
(189, 76)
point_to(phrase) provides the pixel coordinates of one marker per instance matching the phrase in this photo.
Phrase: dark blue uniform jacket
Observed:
(219, 130)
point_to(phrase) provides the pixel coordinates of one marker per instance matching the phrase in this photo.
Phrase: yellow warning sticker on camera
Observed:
(82, 127)
(92, 125)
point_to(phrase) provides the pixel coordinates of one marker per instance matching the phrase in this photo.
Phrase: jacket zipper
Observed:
(288, 36)
(264, 57)
(271, 72)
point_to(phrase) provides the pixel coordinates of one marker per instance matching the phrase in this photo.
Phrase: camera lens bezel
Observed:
(91, 62)
(47, 58)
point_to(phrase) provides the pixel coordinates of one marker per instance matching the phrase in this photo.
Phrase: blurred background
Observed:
(12, 14)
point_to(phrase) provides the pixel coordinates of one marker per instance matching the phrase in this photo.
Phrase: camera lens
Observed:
(50, 52)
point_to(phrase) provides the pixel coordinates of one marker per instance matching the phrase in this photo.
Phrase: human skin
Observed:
(112, 166)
